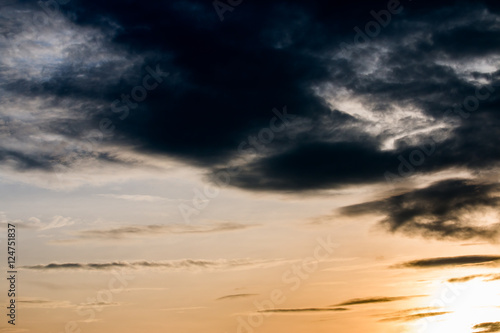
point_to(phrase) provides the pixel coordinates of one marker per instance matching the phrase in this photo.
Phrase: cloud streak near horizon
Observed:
(492, 327)
(125, 231)
(181, 264)
(450, 261)
(304, 310)
(358, 301)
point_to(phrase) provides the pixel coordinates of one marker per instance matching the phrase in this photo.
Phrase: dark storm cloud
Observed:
(298, 169)
(438, 211)
(412, 75)
(450, 261)
(226, 77)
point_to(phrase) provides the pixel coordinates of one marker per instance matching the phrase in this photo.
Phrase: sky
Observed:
(237, 166)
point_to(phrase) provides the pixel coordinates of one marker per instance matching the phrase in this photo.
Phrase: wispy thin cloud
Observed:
(466, 278)
(13, 330)
(416, 316)
(42, 303)
(139, 197)
(341, 306)
(495, 277)
(183, 309)
(449, 261)
(182, 264)
(157, 229)
(99, 304)
(35, 223)
(57, 222)
(357, 301)
(491, 327)
(296, 310)
(235, 296)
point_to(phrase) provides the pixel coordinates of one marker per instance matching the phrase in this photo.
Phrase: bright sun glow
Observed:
(468, 304)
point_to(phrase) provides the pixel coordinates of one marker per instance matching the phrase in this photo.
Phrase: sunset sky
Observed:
(239, 166)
